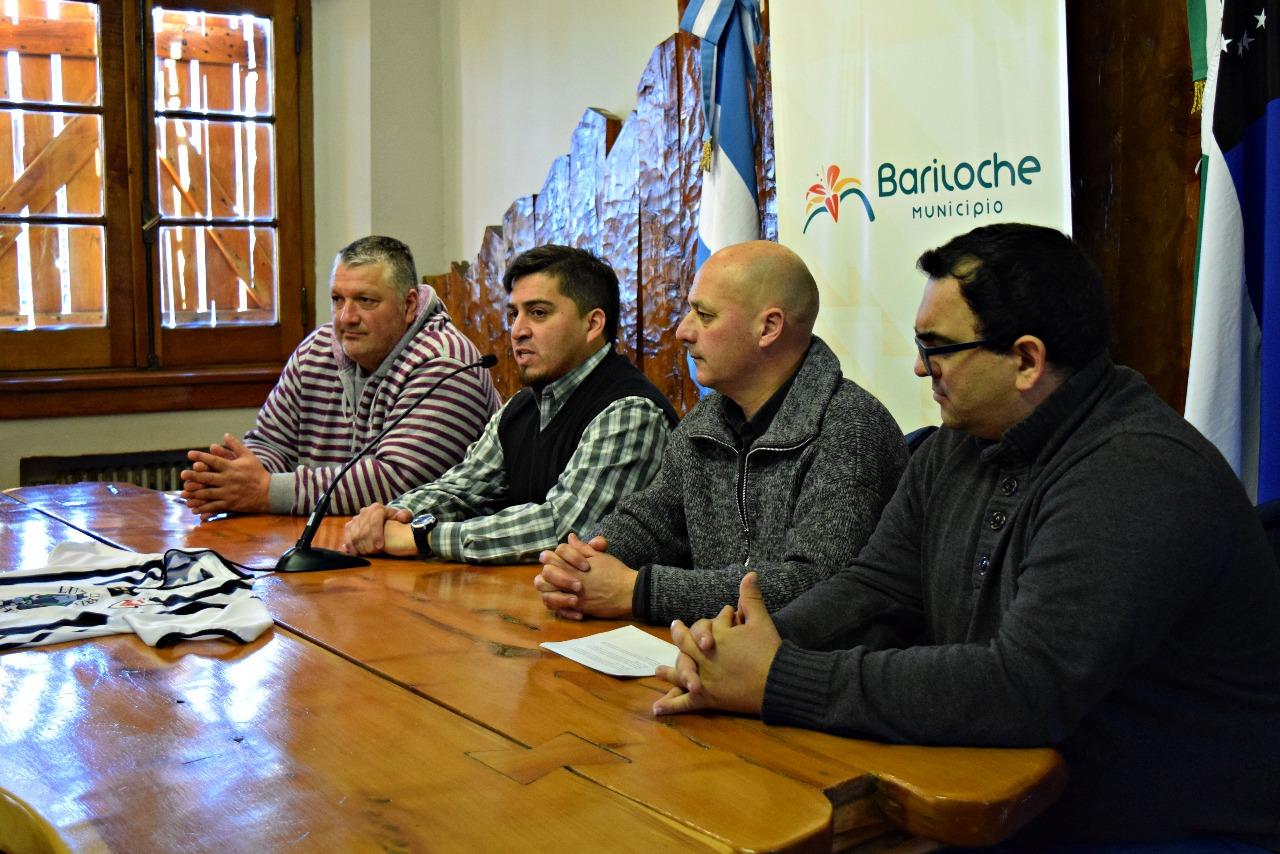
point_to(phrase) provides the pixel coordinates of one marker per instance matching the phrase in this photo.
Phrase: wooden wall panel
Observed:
(518, 227)
(490, 265)
(619, 206)
(587, 149)
(664, 244)
(550, 212)
(762, 115)
(454, 290)
(671, 352)
(1135, 192)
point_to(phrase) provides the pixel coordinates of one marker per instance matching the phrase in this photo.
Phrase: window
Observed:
(215, 168)
(155, 210)
(51, 239)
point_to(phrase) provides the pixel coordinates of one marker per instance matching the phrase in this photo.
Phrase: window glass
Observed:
(50, 164)
(212, 63)
(217, 276)
(51, 184)
(219, 170)
(214, 170)
(49, 52)
(51, 277)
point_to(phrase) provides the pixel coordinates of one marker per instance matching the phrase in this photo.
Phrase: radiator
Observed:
(151, 469)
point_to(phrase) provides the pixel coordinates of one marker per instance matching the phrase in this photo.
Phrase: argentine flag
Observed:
(728, 212)
(1233, 387)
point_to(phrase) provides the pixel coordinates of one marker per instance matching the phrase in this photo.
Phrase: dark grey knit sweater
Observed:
(798, 503)
(1096, 581)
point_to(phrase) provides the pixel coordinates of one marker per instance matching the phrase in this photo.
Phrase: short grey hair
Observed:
(394, 257)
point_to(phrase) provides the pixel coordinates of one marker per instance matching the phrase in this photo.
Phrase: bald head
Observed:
(750, 320)
(766, 274)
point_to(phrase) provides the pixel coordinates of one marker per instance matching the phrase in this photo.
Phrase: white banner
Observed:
(898, 126)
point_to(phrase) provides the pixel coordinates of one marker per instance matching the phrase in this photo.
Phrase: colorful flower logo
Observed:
(827, 195)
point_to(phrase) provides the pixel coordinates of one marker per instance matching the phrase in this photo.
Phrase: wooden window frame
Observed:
(145, 367)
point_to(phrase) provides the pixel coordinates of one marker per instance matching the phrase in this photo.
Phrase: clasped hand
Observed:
(582, 580)
(229, 477)
(378, 528)
(724, 661)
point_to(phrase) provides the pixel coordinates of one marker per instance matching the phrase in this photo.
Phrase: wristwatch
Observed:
(422, 526)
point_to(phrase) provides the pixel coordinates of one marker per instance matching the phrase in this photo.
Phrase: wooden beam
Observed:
(64, 156)
(218, 45)
(49, 37)
(115, 392)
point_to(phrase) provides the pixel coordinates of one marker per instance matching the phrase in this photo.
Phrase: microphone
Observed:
(304, 557)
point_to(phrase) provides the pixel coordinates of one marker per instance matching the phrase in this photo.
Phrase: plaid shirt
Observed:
(620, 452)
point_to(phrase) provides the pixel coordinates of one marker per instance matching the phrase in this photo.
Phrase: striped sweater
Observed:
(324, 409)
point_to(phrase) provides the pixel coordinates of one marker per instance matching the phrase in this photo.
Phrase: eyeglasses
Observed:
(943, 349)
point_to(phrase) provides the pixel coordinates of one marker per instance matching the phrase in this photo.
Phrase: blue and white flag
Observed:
(1233, 387)
(730, 30)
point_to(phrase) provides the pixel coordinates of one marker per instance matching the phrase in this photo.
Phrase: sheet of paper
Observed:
(627, 651)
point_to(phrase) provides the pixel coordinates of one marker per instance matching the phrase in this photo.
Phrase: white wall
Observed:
(113, 434)
(340, 74)
(459, 110)
(528, 70)
(379, 132)
(408, 134)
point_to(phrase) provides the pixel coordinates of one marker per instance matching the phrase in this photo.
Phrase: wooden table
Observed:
(110, 745)
(446, 652)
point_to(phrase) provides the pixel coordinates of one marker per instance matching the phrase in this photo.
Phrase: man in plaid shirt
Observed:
(586, 429)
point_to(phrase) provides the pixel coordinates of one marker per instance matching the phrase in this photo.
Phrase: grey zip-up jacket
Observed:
(795, 506)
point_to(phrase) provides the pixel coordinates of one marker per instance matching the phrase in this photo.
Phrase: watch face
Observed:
(422, 525)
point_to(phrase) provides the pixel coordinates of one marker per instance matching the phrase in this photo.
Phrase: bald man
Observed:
(783, 470)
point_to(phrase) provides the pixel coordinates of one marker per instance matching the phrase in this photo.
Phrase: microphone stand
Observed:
(304, 557)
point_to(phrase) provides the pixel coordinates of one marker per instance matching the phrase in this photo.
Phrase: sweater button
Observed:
(1009, 485)
(996, 520)
(984, 563)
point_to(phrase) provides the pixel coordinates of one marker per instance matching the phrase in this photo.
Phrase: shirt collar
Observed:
(750, 429)
(1023, 442)
(553, 395)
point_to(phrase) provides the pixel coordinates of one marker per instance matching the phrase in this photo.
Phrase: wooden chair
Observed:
(23, 831)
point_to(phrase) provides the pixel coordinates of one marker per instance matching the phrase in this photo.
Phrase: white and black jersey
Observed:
(89, 589)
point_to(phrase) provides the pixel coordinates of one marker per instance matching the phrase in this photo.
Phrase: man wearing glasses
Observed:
(1067, 562)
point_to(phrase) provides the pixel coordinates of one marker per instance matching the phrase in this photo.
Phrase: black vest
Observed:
(534, 458)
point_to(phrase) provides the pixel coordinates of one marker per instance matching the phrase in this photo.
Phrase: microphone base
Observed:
(309, 559)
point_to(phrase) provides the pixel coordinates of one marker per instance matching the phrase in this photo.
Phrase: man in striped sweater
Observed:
(390, 340)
